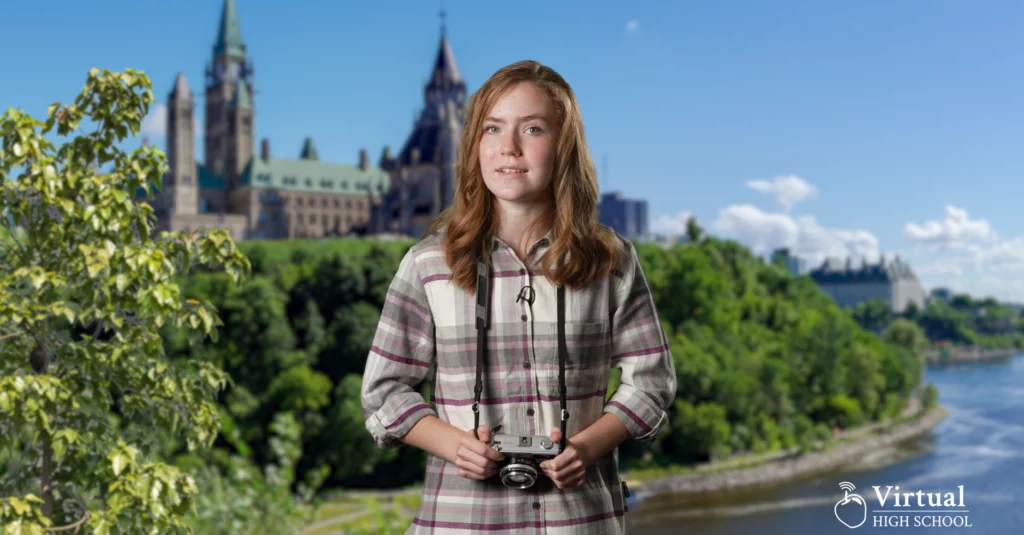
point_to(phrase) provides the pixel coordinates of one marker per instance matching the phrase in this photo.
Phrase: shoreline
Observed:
(776, 472)
(960, 355)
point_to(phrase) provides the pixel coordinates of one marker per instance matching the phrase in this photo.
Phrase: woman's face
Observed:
(517, 147)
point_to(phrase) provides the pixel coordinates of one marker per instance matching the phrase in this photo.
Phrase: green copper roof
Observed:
(229, 34)
(312, 176)
(242, 98)
(208, 180)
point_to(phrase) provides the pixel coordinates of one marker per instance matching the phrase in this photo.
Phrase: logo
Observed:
(852, 510)
(902, 509)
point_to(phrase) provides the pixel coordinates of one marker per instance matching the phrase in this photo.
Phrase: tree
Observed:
(906, 334)
(694, 233)
(85, 288)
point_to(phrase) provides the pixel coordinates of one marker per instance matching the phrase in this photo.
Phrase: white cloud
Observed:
(155, 124)
(765, 231)
(671, 225)
(1001, 256)
(940, 268)
(788, 189)
(954, 230)
(632, 25)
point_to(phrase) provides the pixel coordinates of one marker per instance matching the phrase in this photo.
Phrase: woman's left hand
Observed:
(569, 468)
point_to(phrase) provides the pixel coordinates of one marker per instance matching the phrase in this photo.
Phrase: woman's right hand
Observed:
(474, 458)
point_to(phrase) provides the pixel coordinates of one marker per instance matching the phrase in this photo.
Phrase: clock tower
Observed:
(229, 138)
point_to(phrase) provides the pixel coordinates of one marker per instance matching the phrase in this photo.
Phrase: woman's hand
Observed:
(475, 459)
(569, 468)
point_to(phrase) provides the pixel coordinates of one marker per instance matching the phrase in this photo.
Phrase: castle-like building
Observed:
(894, 282)
(258, 196)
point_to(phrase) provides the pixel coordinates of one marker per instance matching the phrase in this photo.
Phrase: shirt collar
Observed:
(543, 241)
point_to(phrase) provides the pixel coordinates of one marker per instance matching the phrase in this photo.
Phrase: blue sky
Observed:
(835, 128)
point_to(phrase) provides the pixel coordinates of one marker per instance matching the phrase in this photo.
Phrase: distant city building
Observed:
(794, 264)
(945, 294)
(628, 217)
(893, 282)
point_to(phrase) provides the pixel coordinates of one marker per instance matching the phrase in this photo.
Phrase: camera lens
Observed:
(520, 473)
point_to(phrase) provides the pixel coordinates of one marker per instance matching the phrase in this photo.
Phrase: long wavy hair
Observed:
(582, 250)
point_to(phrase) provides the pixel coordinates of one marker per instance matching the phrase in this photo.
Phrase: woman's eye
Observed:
(533, 130)
(490, 129)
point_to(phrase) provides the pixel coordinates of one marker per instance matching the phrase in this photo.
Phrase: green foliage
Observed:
(931, 396)
(906, 334)
(963, 321)
(84, 292)
(238, 497)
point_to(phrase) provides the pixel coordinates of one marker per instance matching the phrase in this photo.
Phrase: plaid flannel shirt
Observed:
(426, 320)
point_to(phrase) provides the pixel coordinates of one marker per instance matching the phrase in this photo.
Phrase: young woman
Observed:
(524, 207)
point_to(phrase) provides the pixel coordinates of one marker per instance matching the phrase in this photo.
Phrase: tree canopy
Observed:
(84, 291)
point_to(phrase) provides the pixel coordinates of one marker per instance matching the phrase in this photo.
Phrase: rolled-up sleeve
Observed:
(401, 354)
(641, 351)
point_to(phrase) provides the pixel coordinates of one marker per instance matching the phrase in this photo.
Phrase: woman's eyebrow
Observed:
(521, 119)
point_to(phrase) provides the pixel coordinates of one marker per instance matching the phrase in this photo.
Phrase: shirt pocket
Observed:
(586, 363)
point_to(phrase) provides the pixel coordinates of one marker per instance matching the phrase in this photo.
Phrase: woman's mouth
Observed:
(511, 170)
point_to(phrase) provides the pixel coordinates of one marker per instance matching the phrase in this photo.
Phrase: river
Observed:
(980, 446)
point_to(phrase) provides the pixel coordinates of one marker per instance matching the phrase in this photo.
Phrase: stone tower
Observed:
(423, 173)
(181, 189)
(229, 137)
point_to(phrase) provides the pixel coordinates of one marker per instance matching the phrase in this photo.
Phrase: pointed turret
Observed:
(229, 33)
(180, 91)
(309, 150)
(445, 73)
(242, 99)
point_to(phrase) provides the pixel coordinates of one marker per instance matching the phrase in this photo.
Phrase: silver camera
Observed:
(523, 455)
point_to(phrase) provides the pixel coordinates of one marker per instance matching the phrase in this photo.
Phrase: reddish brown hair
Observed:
(582, 250)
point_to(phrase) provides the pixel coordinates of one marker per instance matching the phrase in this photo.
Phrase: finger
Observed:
(483, 450)
(571, 471)
(468, 465)
(484, 433)
(562, 460)
(468, 474)
(477, 460)
(556, 434)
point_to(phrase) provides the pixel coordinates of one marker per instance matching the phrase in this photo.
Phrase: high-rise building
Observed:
(628, 217)
(794, 264)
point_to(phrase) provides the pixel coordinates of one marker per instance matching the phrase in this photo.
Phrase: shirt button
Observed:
(524, 318)
(526, 365)
(536, 505)
(529, 412)
(522, 271)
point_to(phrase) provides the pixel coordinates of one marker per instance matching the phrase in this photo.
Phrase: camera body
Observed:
(523, 455)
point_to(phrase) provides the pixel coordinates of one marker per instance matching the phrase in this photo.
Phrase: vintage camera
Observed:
(523, 455)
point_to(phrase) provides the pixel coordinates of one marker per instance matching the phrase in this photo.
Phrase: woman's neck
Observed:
(513, 222)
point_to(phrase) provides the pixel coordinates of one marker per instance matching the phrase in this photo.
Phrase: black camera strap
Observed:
(483, 304)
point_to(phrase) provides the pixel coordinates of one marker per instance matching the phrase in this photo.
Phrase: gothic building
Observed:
(257, 196)
(423, 172)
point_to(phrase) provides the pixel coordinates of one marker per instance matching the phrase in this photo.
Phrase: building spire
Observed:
(229, 33)
(445, 72)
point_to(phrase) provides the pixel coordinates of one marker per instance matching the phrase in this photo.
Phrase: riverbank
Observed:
(787, 467)
(967, 354)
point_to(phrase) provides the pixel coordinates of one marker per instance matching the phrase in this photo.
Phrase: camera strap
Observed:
(483, 305)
